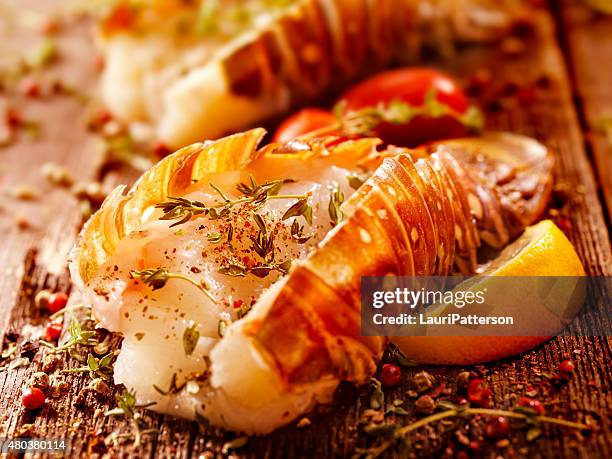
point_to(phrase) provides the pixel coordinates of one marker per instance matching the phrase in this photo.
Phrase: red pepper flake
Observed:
(33, 398)
(534, 404)
(29, 87)
(390, 375)
(438, 390)
(238, 304)
(13, 117)
(478, 393)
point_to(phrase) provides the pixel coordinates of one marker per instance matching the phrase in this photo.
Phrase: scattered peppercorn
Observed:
(41, 300)
(57, 301)
(478, 393)
(567, 366)
(497, 427)
(425, 404)
(39, 380)
(390, 375)
(53, 331)
(423, 381)
(33, 398)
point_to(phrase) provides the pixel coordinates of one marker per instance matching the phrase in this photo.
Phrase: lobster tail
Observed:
(419, 217)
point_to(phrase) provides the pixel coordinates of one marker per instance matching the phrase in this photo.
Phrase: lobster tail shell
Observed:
(410, 218)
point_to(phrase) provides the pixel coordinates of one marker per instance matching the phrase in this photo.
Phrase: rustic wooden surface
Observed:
(585, 35)
(34, 258)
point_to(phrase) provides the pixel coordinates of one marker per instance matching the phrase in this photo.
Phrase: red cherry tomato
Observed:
(302, 122)
(33, 398)
(411, 85)
(57, 301)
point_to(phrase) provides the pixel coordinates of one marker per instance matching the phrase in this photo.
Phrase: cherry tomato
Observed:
(33, 398)
(302, 122)
(411, 85)
(390, 375)
(57, 301)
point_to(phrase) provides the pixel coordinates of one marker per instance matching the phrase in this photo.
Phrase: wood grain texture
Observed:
(586, 35)
(548, 114)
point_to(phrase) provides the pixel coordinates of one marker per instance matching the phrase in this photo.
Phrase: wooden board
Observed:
(548, 113)
(586, 35)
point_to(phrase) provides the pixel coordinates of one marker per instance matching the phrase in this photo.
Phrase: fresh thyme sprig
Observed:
(260, 270)
(101, 368)
(297, 232)
(183, 209)
(128, 407)
(363, 122)
(336, 198)
(76, 336)
(174, 388)
(157, 278)
(398, 433)
(191, 335)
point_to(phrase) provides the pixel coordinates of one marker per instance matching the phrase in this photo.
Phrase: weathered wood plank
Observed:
(547, 114)
(586, 35)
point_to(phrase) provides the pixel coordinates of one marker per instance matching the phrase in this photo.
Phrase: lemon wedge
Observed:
(542, 250)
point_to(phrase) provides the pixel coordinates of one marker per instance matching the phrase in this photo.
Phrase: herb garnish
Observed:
(191, 335)
(97, 368)
(300, 208)
(398, 433)
(76, 336)
(183, 209)
(363, 122)
(173, 389)
(297, 232)
(214, 238)
(336, 198)
(128, 407)
(157, 278)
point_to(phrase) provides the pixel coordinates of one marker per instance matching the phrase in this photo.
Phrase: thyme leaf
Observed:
(157, 278)
(214, 238)
(191, 335)
(336, 198)
(174, 388)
